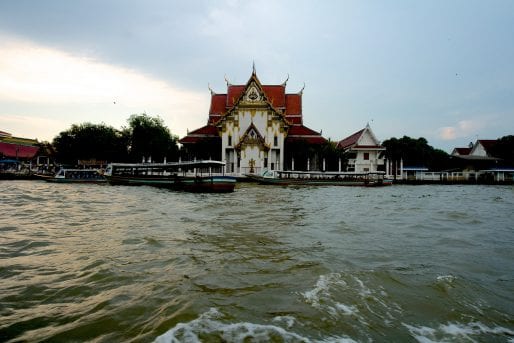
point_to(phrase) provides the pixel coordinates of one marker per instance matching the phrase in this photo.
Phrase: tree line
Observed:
(147, 136)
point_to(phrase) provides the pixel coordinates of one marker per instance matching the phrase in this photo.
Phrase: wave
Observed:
(209, 327)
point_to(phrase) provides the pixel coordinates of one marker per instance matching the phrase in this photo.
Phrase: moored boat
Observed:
(195, 176)
(317, 178)
(65, 175)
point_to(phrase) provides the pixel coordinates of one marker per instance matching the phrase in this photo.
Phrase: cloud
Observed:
(26, 126)
(463, 128)
(41, 82)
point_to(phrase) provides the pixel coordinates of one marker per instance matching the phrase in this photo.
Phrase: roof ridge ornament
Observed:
(227, 81)
(301, 90)
(210, 89)
(285, 82)
(253, 68)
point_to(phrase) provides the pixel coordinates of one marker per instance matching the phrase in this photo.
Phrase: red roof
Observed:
(463, 151)
(300, 132)
(17, 150)
(350, 140)
(218, 107)
(206, 132)
(487, 143)
(276, 95)
(218, 104)
(233, 93)
(293, 104)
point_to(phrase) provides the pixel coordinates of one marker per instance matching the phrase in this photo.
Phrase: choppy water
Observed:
(329, 264)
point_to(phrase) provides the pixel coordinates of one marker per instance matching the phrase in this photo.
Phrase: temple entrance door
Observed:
(252, 166)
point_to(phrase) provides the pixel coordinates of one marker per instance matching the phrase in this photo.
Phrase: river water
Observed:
(283, 264)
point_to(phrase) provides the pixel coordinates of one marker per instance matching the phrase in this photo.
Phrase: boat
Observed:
(66, 175)
(195, 176)
(318, 178)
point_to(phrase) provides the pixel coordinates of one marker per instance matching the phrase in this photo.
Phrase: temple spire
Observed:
(253, 68)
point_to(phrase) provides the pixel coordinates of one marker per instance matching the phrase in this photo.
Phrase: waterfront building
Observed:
(16, 147)
(251, 127)
(365, 153)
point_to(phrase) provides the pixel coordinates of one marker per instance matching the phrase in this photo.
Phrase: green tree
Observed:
(149, 137)
(331, 154)
(504, 149)
(89, 141)
(416, 152)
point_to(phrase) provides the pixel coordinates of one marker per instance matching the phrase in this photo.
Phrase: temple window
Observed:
(275, 141)
(366, 155)
(229, 140)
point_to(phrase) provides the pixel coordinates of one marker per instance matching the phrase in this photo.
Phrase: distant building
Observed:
(483, 148)
(364, 150)
(251, 126)
(16, 147)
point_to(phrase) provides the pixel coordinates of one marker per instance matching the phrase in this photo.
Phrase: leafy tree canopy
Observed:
(149, 137)
(415, 152)
(89, 141)
(504, 149)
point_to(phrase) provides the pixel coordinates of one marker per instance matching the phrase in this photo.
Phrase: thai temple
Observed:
(253, 125)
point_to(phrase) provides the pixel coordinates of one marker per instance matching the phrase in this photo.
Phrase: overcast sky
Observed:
(443, 70)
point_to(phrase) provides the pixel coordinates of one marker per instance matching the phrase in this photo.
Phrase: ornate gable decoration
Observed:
(253, 95)
(252, 137)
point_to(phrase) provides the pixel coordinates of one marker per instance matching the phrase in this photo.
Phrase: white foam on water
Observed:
(474, 328)
(446, 278)
(421, 334)
(288, 320)
(335, 339)
(347, 310)
(208, 324)
(322, 288)
(452, 331)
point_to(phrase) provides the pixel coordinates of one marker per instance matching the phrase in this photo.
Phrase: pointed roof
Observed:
(356, 140)
(350, 140)
(288, 106)
(486, 144)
